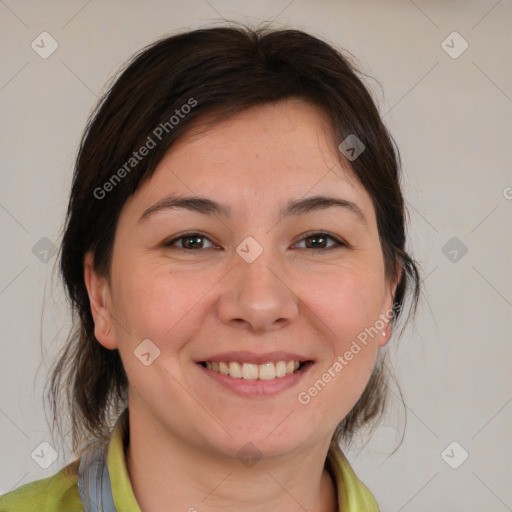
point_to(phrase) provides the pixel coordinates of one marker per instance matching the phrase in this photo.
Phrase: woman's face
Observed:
(265, 276)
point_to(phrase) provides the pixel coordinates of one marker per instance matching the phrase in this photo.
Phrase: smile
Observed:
(249, 371)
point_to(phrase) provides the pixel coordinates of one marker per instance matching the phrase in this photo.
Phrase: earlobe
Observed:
(384, 335)
(99, 298)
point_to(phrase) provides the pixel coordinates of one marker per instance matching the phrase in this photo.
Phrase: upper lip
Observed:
(254, 358)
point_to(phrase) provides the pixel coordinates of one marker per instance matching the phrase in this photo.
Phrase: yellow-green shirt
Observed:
(59, 493)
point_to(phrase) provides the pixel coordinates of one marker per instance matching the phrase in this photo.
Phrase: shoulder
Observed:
(57, 493)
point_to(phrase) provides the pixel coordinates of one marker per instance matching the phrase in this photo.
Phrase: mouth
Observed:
(257, 375)
(270, 370)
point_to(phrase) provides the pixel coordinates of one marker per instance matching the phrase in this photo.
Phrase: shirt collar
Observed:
(353, 495)
(122, 490)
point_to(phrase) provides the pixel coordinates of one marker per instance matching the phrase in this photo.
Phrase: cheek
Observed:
(348, 299)
(156, 303)
(348, 303)
(152, 301)
(161, 302)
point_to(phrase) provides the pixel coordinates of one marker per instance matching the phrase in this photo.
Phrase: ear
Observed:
(100, 300)
(388, 307)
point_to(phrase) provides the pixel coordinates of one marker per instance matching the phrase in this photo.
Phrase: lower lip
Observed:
(257, 387)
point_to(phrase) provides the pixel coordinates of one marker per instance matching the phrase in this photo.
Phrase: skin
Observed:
(185, 429)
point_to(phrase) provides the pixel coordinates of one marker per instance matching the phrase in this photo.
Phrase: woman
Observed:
(235, 251)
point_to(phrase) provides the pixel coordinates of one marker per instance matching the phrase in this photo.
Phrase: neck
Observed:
(164, 469)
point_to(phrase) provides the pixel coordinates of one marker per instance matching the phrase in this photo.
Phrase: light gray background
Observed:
(451, 118)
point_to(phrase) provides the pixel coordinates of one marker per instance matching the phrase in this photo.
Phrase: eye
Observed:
(190, 241)
(319, 241)
(196, 241)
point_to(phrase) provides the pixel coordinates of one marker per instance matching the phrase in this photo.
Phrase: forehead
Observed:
(266, 154)
(291, 134)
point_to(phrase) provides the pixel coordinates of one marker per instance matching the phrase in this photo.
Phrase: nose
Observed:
(257, 296)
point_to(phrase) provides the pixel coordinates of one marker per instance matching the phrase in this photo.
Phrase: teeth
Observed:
(280, 369)
(223, 368)
(267, 371)
(235, 370)
(249, 371)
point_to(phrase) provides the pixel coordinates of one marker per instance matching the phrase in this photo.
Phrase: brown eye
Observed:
(191, 241)
(320, 240)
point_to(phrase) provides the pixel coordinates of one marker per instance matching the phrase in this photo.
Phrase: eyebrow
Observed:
(206, 206)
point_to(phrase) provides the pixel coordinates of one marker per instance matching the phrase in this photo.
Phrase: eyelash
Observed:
(339, 243)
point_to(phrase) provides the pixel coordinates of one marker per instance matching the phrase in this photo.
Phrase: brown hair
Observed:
(223, 71)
